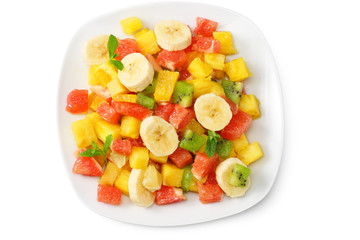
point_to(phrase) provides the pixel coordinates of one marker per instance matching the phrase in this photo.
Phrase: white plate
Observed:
(265, 84)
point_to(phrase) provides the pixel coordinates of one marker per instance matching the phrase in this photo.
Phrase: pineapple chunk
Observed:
(215, 60)
(131, 25)
(217, 89)
(237, 70)
(195, 127)
(199, 69)
(102, 74)
(118, 159)
(84, 132)
(110, 174)
(125, 98)
(147, 42)
(122, 181)
(93, 117)
(250, 105)
(172, 176)
(95, 102)
(226, 42)
(251, 153)
(103, 129)
(141, 32)
(201, 86)
(165, 85)
(158, 159)
(139, 157)
(130, 127)
(240, 143)
(115, 87)
(193, 186)
(152, 179)
(92, 79)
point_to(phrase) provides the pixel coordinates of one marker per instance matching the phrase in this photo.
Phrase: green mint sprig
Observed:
(211, 143)
(112, 45)
(96, 151)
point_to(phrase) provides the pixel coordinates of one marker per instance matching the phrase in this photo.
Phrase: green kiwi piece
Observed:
(186, 178)
(239, 175)
(191, 141)
(145, 101)
(232, 90)
(223, 148)
(149, 90)
(183, 93)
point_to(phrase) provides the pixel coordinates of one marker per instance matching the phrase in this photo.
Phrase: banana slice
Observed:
(95, 50)
(139, 195)
(137, 74)
(159, 136)
(212, 112)
(172, 35)
(223, 172)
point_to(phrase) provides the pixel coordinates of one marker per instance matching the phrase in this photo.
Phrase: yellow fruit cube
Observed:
(118, 159)
(199, 69)
(237, 70)
(84, 132)
(172, 175)
(115, 87)
(250, 105)
(141, 32)
(110, 174)
(158, 159)
(139, 157)
(125, 98)
(219, 74)
(122, 181)
(131, 25)
(193, 186)
(201, 86)
(152, 179)
(92, 79)
(251, 153)
(240, 143)
(215, 60)
(165, 85)
(130, 127)
(103, 129)
(194, 126)
(217, 89)
(102, 74)
(93, 117)
(226, 42)
(147, 42)
(95, 102)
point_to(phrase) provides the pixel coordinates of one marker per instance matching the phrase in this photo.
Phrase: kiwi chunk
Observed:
(223, 148)
(149, 90)
(232, 90)
(191, 141)
(239, 175)
(186, 178)
(183, 93)
(145, 101)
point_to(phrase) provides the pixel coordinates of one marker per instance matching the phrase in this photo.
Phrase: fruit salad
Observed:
(165, 114)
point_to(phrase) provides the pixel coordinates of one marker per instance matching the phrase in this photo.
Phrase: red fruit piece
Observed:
(233, 107)
(125, 47)
(194, 39)
(122, 146)
(108, 194)
(77, 101)
(184, 74)
(205, 27)
(87, 166)
(164, 111)
(181, 157)
(237, 126)
(171, 59)
(207, 45)
(101, 92)
(203, 165)
(211, 179)
(108, 113)
(153, 62)
(131, 109)
(167, 195)
(181, 116)
(136, 142)
(209, 193)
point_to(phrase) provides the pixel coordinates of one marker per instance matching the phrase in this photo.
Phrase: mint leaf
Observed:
(107, 143)
(213, 134)
(112, 45)
(91, 153)
(117, 64)
(210, 147)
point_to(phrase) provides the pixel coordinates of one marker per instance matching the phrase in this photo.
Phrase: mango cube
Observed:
(251, 153)
(139, 157)
(103, 129)
(172, 175)
(95, 102)
(201, 86)
(141, 32)
(237, 70)
(199, 69)
(115, 87)
(226, 42)
(194, 126)
(147, 42)
(130, 127)
(110, 174)
(158, 159)
(102, 74)
(122, 181)
(250, 105)
(215, 60)
(84, 132)
(131, 25)
(240, 143)
(165, 85)
(152, 179)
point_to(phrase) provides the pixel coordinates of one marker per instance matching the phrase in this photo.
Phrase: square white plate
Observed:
(265, 84)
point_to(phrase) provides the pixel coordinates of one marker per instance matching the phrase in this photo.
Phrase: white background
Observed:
(317, 193)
